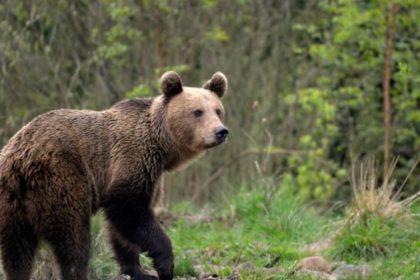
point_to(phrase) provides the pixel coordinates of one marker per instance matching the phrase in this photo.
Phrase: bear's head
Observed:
(194, 116)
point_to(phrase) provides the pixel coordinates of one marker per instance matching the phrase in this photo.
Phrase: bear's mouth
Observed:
(215, 143)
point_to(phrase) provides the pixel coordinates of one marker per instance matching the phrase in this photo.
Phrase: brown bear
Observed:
(65, 165)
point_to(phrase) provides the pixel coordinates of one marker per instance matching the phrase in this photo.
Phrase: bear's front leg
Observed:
(127, 256)
(135, 229)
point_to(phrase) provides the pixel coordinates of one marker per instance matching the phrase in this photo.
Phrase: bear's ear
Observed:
(170, 84)
(217, 84)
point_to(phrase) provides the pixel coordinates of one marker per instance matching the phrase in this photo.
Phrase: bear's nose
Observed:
(221, 133)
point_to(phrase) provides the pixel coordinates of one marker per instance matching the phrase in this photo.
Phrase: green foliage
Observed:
(139, 91)
(314, 174)
(342, 113)
(217, 34)
(121, 35)
(180, 69)
(304, 76)
(209, 4)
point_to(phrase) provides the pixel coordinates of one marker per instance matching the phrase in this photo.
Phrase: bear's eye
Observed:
(219, 112)
(198, 113)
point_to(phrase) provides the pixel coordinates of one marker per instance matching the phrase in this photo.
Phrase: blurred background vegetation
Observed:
(306, 80)
(314, 86)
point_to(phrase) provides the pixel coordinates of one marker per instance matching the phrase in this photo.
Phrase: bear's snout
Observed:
(221, 134)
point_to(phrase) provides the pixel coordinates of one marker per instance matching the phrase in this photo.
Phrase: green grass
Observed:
(101, 264)
(270, 232)
(390, 245)
(266, 231)
(372, 238)
(252, 228)
(380, 227)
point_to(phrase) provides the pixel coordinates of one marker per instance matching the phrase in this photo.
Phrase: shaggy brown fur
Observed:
(66, 164)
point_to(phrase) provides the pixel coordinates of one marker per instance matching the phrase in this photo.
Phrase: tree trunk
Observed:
(389, 42)
(159, 39)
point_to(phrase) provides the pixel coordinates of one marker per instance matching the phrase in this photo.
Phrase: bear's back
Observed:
(53, 131)
(77, 141)
(59, 140)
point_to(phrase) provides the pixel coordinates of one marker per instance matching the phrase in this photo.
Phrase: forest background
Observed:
(314, 86)
(306, 79)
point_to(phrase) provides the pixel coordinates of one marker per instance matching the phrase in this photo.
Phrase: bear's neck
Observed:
(173, 155)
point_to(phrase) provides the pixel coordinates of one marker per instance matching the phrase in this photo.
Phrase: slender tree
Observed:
(389, 44)
(159, 39)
